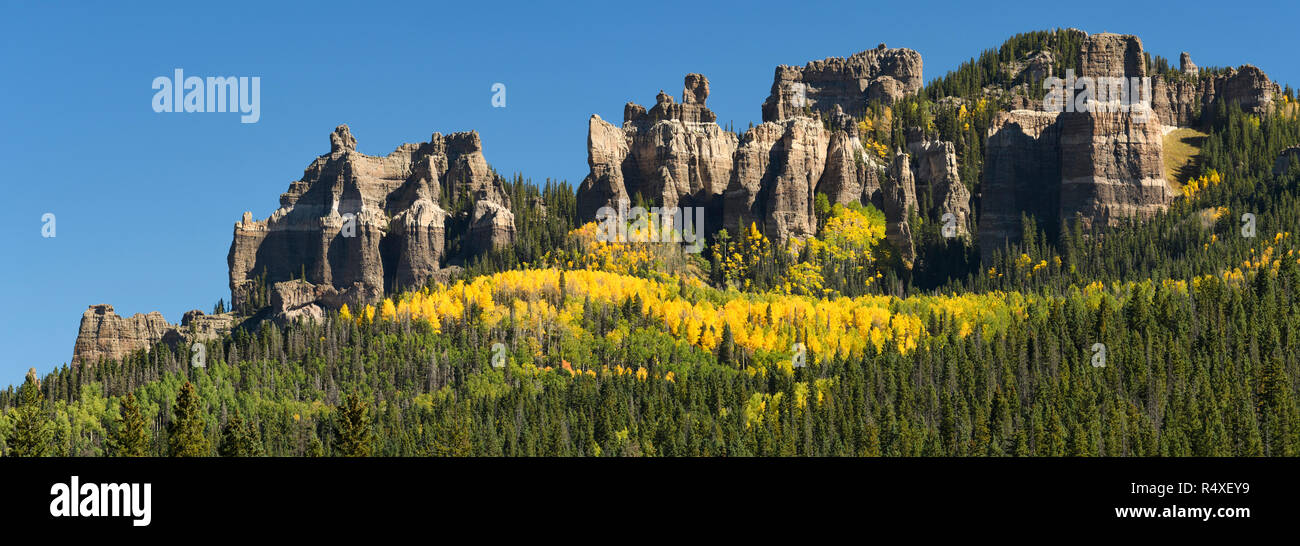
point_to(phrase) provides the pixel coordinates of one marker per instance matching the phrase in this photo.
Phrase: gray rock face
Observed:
(1178, 102)
(845, 170)
(672, 155)
(1111, 168)
(1186, 66)
(300, 300)
(1095, 168)
(1022, 174)
(899, 195)
(1247, 86)
(676, 155)
(365, 224)
(492, 226)
(779, 167)
(197, 326)
(607, 152)
(105, 335)
(881, 74)
(936, 174)
(1112, 55)
(1037, 67)
(1184, 102)
(800, 158)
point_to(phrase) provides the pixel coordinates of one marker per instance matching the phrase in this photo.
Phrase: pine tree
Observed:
(726, 347)
(131, 436)
(352, 427)
(31, 436)
(235, 440)
(187, 434)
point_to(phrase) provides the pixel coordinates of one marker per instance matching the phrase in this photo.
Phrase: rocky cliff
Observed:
(1094, 167)
(675, 154)
(899, 196)
(364, 225)
(938, 177)
(1111, 168)
(105, 335)
(1022, 174)
(1184, 100)
(880, 74)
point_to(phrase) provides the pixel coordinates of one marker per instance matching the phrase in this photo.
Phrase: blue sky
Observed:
(145, 202)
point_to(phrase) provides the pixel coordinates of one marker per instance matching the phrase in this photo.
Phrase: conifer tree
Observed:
(31, 435)
(187, 434)
(131, 436)
(352, 427)
(235, 441)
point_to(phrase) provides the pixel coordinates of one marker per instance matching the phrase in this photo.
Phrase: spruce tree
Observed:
(234, 439)
(31, 436)
(352, 428)
(131, 436)
(187, 434)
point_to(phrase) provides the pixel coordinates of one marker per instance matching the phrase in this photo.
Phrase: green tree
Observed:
(187, 434)
(131, 436)
(31, 436)
(238, 439)
(352, 427)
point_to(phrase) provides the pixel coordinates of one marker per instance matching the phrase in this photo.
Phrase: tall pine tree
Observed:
(131, 437)
(187, 435)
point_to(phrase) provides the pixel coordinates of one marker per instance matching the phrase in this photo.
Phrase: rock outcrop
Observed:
(673, 155)
(365, 225)
(799, 158)
(105, 335)
(197, 326)
(1186, 66)
(1022, 175)
(1184, 100)
(1247, 86)
(1177, 102)
(880, 74)
(1112, 56)
(899, 195)
(1111, 168)
(937, 176)
(1092, 167)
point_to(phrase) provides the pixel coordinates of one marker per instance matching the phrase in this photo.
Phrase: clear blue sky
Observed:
(145, 202)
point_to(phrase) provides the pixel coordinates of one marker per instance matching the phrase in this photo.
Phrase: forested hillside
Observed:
(1176, 335)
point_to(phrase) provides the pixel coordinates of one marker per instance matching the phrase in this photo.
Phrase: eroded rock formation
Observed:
(106, 335)
(899, 195)
(672, 155)
(880, 74)
(1111, 168)
(937, 175)
(1022, 174)
(364, 225)
(676, 155)
(1094, 167)
(1183, 101)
